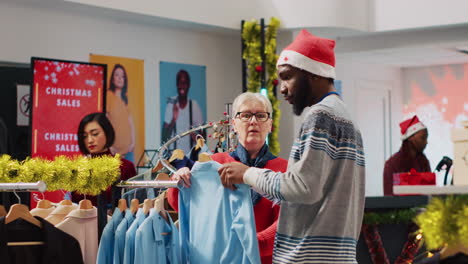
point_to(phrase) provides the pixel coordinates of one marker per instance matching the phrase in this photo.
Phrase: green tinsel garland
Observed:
(444, 221)
(85, 175)
(392, 217)
(252, 54)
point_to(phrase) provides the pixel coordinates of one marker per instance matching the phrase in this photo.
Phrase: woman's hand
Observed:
(184, 175)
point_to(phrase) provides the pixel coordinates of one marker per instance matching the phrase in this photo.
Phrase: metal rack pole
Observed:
(39, 186)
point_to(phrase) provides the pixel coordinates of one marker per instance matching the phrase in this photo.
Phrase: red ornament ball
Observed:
(259, 68)
(275, 82)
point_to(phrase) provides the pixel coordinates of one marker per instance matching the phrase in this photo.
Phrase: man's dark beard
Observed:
(300, 100)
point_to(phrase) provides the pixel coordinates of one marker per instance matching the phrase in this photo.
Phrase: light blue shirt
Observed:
(154, 247)
(106, 246)
(217, 225)
(129, 251)
(119, 237)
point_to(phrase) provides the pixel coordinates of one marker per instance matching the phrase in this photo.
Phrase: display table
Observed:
(394, 236)
(430, 189)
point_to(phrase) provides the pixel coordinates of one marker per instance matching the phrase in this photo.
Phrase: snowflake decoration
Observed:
(90, 82)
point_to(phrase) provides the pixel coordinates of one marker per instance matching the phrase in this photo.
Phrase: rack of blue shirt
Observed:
(139, 238)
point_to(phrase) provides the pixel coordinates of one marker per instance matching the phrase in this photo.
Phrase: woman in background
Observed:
(252, 123)
(119, 115)
(95, 136)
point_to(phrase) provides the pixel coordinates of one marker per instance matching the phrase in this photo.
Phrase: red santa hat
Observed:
(310, 53)
(410, 127)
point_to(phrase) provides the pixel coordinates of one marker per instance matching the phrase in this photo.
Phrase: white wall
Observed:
(356, 76)
(54, 33)
(351, 14)
(404, 14)
(50, 33)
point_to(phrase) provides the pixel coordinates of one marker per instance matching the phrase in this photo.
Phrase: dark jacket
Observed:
(59, 247)
(403, 162)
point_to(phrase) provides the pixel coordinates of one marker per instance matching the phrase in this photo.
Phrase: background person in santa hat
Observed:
(322, 192)
(410, 156)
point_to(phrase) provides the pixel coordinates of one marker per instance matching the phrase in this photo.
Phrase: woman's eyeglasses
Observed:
(247, 116)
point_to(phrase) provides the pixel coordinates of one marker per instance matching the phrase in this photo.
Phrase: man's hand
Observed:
(184, 175)
(232, 173)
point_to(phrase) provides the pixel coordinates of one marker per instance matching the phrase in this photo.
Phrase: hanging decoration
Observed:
(374, 244)
(374, 241)
(251, 35)
(84, 175)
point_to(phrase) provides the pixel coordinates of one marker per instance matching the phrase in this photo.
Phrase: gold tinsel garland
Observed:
(444, 222)
(85, 175)
(252, 54)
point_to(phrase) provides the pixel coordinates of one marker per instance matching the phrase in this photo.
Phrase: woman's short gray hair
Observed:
(249, 97)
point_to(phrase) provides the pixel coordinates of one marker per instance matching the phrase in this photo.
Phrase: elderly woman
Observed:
(252, 123)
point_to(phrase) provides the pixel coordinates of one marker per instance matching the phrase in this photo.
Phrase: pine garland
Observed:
(271, 59)
(252, 54)
(85, 175)
(393, 217)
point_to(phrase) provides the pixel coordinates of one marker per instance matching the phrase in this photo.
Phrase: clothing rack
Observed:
(39, 186)
(165, 146)
(149, 184)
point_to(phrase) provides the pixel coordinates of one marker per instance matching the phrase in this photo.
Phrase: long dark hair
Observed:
(104, 122)
(123, 94)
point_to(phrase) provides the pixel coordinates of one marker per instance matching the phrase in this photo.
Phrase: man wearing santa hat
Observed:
(414, 136)
(322, 192)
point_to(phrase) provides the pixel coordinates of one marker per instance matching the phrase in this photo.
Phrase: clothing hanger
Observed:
(21, 211)
(158, 167)
(159, 207)
(177, 154)
(200, 142)
(204, 157)
(122, 205)
(162, 177)
(85, 204)
(147, 205)
(18, 211)
(134, 204)
(2, 211)
(66, 202)
(44, 204)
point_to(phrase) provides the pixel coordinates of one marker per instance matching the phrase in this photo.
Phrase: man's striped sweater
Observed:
(322, 192)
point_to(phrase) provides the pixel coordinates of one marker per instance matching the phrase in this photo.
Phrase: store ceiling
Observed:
(407, 57)
(411, 48)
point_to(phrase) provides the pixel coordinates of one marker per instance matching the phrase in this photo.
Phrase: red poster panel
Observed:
(63, 92)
